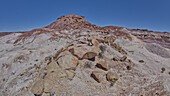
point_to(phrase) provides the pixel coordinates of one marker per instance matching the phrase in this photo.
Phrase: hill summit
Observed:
(71, 22)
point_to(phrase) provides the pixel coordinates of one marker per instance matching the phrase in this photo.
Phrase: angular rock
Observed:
(70, 74)
(111, 77)
(52, 67)
(69, 64)
(68, 61)
(102, 65)
(46, 94)
(71, 50)
(118, 48)
(89, 55)
(95, 42)
(78, 51)
(58, 53)
(38, 87)
(49, 84)
(116, 58)
(101, 40)
(96, 75)
(54, 71)
(123, 58)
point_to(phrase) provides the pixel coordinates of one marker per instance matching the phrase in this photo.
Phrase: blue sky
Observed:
(22, 15)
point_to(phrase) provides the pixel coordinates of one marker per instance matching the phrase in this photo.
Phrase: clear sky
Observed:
(22, 15)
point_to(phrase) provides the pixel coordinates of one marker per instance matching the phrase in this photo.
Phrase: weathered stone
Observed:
(90, 44)
(95, 42)
(70, 74)
(38, 87)
(96, 75)
(89, 55)
(71, 50)
(79, 52)
(101, 40)
(55, 71)
(123, 51)
(102, 65)
(68, 61)
(123, 58)
(130, 64)
(46, 94)
(66, 53)
(52, 67)
(58, 53)
(95, 49)
(69, 64)
(117, 48)
(111, 77)
(116, 59)
(49, 84)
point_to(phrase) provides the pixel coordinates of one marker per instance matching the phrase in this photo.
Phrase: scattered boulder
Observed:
(96, 75)
(46, 94)
(89, 55)
(69, 64)
(116, 59)
(78, 51)
(68, 61)
(101, 40)
(49, 83)
(71, 50)
(70, 74)
(88, 64)
(54, 69)
(118, 48)
(92, 59)
(102, 65)
(123, 58)
(111, 77)
(131, 64)
(95, 42)
(58, 53)
(66, 52)
(38, 88)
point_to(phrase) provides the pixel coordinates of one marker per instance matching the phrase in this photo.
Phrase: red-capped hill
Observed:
(71, 22)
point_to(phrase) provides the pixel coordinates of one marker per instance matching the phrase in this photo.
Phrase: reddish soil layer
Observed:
(76, 22)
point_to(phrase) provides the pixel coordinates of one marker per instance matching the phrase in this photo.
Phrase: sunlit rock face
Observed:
(74, 57)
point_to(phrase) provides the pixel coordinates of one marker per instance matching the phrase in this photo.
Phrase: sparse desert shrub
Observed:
(88, 65)
(48, 58)
(162, 69)
(131, 52)
(103, 48)
(141, 61)
(51, 94)
(100, 55)
(19, 58)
